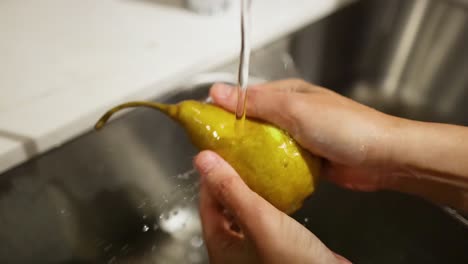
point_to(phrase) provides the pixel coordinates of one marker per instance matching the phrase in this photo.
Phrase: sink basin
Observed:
(128, 194)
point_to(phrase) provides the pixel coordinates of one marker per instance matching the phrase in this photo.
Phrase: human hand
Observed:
(363, 149)
(239, 226)
(350, 136)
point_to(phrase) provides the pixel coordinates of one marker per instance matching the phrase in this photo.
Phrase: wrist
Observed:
(398, 144)
(430, 147)
(385, 150)
(427, 159)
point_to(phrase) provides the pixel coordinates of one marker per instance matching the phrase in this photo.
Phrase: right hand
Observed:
(239, 226)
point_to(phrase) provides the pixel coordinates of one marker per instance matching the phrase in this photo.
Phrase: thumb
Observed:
(270, 230)
(280, 103)
(270, 102)
(226, 186)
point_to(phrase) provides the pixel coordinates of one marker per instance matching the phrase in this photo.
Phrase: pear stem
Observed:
(158, 106)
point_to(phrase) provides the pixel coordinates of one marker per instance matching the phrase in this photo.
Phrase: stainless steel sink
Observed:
(128, 194)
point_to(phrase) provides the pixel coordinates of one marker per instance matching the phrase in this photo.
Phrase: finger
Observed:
(226, 95)
(273, 106)
(216, 222)
(286, 85)
(216, 226)
(281, 102)
(210, 215)
(229, 189)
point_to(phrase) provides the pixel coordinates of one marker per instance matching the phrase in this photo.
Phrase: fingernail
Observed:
(223, 90)
(205, 162)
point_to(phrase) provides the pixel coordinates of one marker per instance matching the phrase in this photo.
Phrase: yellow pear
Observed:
(269, 161)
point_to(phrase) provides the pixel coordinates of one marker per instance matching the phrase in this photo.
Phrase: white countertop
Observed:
(63, 62)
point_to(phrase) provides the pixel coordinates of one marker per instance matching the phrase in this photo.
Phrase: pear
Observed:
(269, 161)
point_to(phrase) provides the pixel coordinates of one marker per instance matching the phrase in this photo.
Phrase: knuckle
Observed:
(253, 103)
(297, 84)
(291, 109)
(297, 81)
(289, 103)
(206, 167)
(225, 186)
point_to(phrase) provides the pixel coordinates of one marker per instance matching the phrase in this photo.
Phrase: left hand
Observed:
(239, 226)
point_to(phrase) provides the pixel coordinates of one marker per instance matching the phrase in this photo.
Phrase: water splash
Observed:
(176, 215)
(186, 175)
(196, 241)
(155, 226)
(194, 257)
(112, 260)
(108, 247)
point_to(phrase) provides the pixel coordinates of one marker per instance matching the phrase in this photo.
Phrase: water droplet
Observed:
(112, 260)
(194, 257)
(100, 242)
(145, 228)
(185, 175)
(108, 247)
(144, 216)
(142, 204)
(64, 212)
(124, 248)
(306, 220)
(196, 241)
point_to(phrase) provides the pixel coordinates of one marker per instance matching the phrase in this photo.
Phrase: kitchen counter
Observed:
(64, 62)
